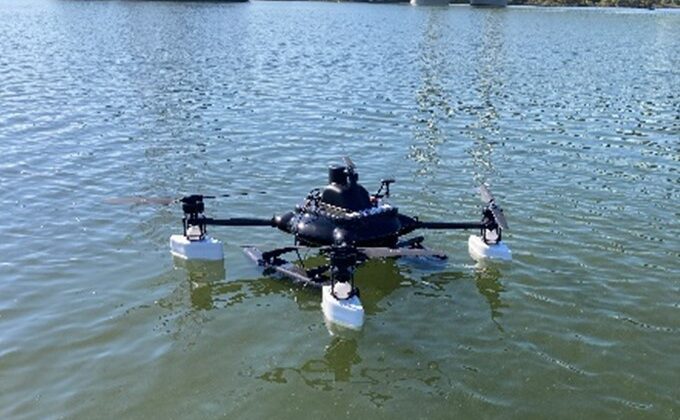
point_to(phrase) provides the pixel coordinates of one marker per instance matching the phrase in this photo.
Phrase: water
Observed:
(571, 115)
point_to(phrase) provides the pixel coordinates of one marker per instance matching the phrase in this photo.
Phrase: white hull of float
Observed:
(481, 251)
(206, 249)
(347, 313)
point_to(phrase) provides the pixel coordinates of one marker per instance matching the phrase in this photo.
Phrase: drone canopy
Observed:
(344, 191)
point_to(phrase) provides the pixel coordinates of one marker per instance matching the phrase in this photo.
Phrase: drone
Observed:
(347, 226)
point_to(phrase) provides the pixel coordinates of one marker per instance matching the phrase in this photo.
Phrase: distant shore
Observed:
(639, 4)
(645, 4)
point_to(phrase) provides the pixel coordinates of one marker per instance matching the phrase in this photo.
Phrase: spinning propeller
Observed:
(136, 200)
(496, 211)
(350, 165)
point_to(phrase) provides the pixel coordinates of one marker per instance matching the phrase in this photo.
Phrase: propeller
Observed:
(166, 201)
(162, 201)
(486, 194)
(139, 200)
(348, 162)
(496, 211)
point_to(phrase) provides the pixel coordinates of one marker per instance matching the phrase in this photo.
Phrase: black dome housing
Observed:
(344, 192)
(344, 212)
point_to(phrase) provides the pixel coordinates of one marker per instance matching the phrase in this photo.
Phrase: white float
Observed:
(481, 251)
(206, 249)
(347, 313)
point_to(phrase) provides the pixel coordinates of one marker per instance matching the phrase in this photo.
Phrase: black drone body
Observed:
(344, 212)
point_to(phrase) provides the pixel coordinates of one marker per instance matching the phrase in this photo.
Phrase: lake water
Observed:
(572, 116)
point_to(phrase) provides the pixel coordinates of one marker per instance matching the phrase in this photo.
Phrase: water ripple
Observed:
(571, 115)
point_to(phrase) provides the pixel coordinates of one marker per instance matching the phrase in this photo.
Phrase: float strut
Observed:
(232, 222)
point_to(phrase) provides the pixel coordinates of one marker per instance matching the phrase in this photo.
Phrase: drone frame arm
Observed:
(409, 224)
(487, 224)
(483, 227)
(236, 221)
(449, 225)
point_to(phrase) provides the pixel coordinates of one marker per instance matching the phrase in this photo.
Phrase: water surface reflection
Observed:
(431, 97)
(488, 282)
(489, 86)
(340, 355)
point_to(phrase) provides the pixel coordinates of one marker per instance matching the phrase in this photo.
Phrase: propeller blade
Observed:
(139, 200)
(196, 197)
(486, 195)
(166, 201)
(242, 193)
(348, 162)
(499, 216)
(490, 201)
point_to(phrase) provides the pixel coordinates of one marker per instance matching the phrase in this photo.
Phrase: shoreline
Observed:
(623, 4)
(643, 4)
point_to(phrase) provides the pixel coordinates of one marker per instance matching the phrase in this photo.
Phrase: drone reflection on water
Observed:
(323, 374)
(209, 290)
